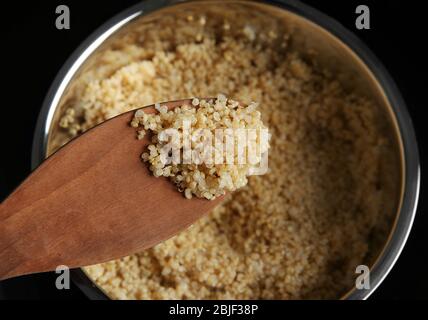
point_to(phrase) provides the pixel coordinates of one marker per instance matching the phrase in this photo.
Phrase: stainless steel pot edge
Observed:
(66, 73)
(404, 221)
(72, 64)
(406, 216)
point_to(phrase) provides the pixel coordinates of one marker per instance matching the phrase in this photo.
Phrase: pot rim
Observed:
(405, 216)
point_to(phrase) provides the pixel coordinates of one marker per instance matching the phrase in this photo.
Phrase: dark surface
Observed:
(33, 51)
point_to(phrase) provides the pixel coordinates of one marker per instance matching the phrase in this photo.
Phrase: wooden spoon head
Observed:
(92, 201)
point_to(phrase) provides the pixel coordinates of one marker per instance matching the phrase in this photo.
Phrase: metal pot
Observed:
(339, 49)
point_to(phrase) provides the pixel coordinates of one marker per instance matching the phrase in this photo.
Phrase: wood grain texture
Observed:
(91, 201)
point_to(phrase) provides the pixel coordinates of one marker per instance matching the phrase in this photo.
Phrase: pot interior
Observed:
(313, 44)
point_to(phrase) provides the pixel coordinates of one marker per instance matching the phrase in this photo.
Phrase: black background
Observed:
(33, 50)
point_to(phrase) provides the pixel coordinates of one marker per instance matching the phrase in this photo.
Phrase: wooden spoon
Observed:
(90, 202)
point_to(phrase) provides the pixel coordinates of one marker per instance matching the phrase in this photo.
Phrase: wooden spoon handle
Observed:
(39, 220)
(91, 201)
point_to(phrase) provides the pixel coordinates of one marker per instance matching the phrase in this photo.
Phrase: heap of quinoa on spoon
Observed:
(207, 148)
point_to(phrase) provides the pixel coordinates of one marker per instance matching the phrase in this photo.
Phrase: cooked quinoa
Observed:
(297, 232)
(206, 148)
